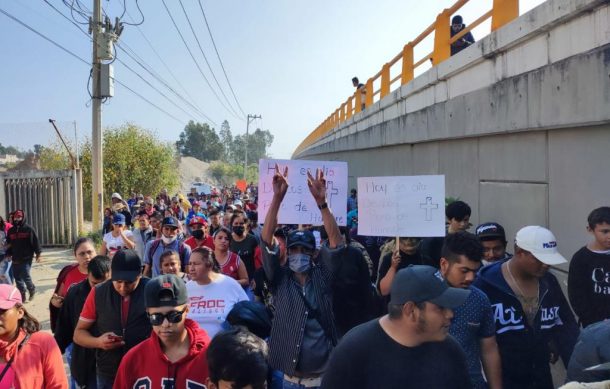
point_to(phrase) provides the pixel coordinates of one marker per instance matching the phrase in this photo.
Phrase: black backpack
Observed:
(355, 298)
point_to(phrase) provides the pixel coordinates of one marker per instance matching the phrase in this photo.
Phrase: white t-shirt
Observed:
(210, 304)
(114, 244)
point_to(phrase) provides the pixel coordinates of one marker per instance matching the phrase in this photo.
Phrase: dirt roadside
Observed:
(44, 275)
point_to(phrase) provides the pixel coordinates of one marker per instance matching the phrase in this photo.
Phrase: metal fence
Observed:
(51, 200)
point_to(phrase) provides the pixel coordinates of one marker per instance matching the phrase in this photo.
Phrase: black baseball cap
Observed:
(126, 266)
(490, 231)
(421, 283)
(301, 238)
(158, 290)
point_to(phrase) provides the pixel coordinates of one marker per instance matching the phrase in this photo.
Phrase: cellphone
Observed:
(116, 338)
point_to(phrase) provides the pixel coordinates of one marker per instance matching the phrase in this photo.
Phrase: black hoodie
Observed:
(23, 242)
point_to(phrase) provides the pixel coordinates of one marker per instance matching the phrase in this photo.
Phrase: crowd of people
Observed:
(192, 292)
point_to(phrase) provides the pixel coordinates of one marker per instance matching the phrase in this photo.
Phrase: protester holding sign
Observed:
(303, 332)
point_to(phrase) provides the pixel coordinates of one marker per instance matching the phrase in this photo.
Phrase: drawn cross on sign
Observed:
(331, 191)
(428, 206)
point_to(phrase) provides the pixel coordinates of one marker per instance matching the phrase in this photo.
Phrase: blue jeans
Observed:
(104, 382)
(21, 271)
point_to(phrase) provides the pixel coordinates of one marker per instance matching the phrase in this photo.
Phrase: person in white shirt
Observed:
(117, 239)
(212, 295)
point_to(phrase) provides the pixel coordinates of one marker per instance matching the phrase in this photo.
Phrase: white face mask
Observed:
(168, 239)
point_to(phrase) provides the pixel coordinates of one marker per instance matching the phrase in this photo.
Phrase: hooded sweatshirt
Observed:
(23, 242)
(37, 363)
(524, 349)
(146, 366)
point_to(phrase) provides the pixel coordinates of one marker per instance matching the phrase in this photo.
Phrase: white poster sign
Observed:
(299, 206)
(408, 206)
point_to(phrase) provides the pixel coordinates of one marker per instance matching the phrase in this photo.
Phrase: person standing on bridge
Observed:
(23, 245)
(457, 25)
(362, 89)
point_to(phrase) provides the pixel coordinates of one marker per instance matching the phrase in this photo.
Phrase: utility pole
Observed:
(246, 140)
(96, 122)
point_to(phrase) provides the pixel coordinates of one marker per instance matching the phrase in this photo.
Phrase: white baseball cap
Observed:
(116, 196)
(541, 243)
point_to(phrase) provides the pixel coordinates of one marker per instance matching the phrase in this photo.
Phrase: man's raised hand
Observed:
(317, 186)
(280, 183)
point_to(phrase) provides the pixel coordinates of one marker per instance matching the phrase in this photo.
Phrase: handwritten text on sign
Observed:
(298, 206)
(408, 206)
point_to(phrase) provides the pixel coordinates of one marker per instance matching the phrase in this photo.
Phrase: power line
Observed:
(205, 57)
(71, 53)
(220, 60)
(194, 60)
(136, 73)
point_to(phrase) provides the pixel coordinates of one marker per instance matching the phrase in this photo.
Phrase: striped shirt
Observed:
(290, 310)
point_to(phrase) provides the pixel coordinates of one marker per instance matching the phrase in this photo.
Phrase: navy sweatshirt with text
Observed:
(524, 349)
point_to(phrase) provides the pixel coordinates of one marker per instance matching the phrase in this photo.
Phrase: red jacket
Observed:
(146, 366)
(38, 364)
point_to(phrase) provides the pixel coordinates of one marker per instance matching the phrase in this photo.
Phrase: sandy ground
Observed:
(44, 275)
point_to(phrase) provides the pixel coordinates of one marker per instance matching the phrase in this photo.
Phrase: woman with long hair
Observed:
(212, 295)
(243, 243)
(84, 251)
(29, 358)
(229, 262)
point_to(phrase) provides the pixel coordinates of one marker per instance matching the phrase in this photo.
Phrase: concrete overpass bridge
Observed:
(519, 122)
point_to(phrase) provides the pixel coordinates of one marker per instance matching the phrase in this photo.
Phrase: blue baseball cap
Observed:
(170, 221)
(301, 238)
(118, 218)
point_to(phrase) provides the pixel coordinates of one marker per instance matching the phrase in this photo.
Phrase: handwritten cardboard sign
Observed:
(299, 206)
(408, 206)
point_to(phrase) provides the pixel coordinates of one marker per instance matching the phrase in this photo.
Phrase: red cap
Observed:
(9, 296)
(198, 220)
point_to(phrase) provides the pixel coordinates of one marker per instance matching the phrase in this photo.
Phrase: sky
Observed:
(290, 62)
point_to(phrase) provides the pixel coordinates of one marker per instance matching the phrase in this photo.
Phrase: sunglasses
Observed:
(156, 319)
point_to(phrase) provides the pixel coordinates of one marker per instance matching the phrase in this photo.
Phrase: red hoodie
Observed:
(146, 366)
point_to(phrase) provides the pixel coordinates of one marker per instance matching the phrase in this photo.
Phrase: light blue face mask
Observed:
(299, 263)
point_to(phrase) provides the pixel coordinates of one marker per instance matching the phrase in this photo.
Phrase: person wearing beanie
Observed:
(176, 349)
(457, 25)
(23, 245)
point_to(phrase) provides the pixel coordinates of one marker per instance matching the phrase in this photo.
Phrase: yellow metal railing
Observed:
(502, 12)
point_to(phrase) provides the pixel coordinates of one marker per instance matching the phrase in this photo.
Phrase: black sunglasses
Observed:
(156, 319)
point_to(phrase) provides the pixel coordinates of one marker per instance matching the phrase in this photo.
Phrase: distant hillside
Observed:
(193, 170)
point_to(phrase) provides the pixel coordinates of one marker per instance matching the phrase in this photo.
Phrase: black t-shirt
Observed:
(368, 358)
(589, 287)
(245, 249)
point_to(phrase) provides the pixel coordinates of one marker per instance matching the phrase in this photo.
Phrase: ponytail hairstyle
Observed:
(208, 256)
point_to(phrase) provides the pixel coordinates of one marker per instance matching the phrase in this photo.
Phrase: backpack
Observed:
(61, 277)
(155, 245)
(355, 298)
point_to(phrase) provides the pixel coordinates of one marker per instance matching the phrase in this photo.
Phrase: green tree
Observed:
(258, 143)
(134, 160)
(200, 141)
(226, 139)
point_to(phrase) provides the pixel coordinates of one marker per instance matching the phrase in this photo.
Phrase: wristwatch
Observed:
(322, 206)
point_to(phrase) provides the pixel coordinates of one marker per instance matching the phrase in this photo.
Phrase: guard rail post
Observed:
(407, 64)
(442, 33)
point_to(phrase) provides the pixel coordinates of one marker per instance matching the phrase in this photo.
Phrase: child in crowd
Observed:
(589, 275)
(170, 264)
